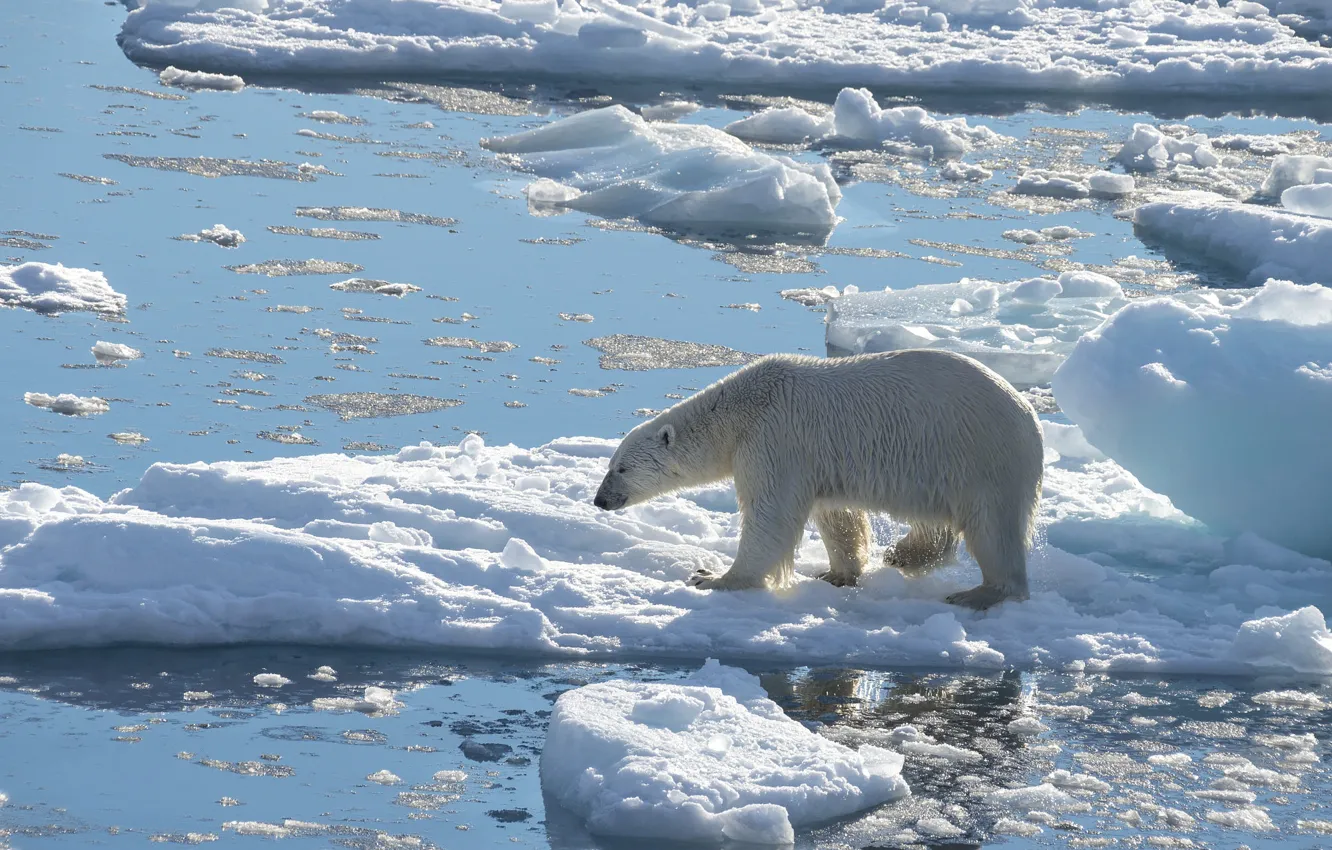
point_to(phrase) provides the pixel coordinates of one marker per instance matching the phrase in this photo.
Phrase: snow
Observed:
(54, 289)
(1255, 242)
(687, 177)
(68, 404)
(206, 554)
(173, 76)
(1021, 329)
(114, 352)
(707, 759)
(218, 234)
(1221, 404)
(1163, 47)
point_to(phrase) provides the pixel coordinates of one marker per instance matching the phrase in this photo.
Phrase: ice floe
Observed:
(683, 177)
(1163, 47)
(707, 759)
(68, 404)
(48, 288)
(1220, 403)
(500, 547)
(172, 76)
(218, 234)
(1021, 329)
(1254, 242)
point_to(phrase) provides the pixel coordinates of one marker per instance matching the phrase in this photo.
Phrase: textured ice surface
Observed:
(68, 404)
(1221, 404)
(172, 76)
(49, 288)
(1166, 46)
(708, 759)
(1022, 330)
(1254, 242)
(688, 178)
(500, 547)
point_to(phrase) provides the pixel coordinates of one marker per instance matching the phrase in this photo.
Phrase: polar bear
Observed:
(930, 437)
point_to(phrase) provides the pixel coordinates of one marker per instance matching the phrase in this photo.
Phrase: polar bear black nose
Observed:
(601, 502)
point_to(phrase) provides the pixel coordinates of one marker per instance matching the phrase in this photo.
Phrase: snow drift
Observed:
(499, 547)
(708, 759)
(1222, 404)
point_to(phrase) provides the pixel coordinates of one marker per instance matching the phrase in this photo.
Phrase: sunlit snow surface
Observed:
(500, 548)
(1158, 47)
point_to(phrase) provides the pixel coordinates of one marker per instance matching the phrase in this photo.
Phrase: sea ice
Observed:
(55, 289)
(1220, 404)
(476, 557)
(1162, 47)
(1149, 149)
(173, 76)
(684, 177)
(708, 759)
(114, 352)
(1289, 170)
(1254, 242)
(1022, 330)
(68, 404)
(218, 234)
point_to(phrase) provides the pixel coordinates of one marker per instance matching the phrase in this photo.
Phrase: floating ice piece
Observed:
(708, 759)
(1220, 403)
(1022, 330)
(784, 125)
(1052, 184)
(68, 404)
(1149, 149)
(114, 352)
(173, 76)
(1254, 242)
(218, 234)
(271, 680)
(55, 288)
(682, 177)
(858, 119)
(1311, 199)
(1044, 797)
(1289, 170)
(1299, 640)
(1162, 47)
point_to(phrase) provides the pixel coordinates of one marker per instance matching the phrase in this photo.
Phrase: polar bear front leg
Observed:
(769, 533)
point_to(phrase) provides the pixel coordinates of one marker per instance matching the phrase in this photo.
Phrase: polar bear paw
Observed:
(705, 579)
(838, 579)
(982, 597)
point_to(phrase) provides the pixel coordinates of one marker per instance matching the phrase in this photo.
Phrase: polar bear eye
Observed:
(622, 470)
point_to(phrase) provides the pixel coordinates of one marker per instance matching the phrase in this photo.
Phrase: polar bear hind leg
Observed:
(998, 541)
(926, 546)
(846, 535)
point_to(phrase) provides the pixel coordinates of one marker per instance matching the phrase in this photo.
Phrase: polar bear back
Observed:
(921, 434)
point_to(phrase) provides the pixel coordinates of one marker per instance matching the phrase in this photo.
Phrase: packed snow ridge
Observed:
(54, 289)
(707, 759)
(500, 547)
(1165, 46)
(1222, 402)
(688, 178)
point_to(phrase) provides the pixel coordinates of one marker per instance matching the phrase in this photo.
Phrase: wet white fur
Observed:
(929, 437)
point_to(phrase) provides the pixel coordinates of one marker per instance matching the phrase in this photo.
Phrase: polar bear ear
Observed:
(667, 435)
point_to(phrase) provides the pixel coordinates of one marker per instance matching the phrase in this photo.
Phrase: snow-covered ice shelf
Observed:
(500, 547)
(1164, 46)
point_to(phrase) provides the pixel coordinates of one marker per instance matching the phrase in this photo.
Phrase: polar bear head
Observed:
(647, 464)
